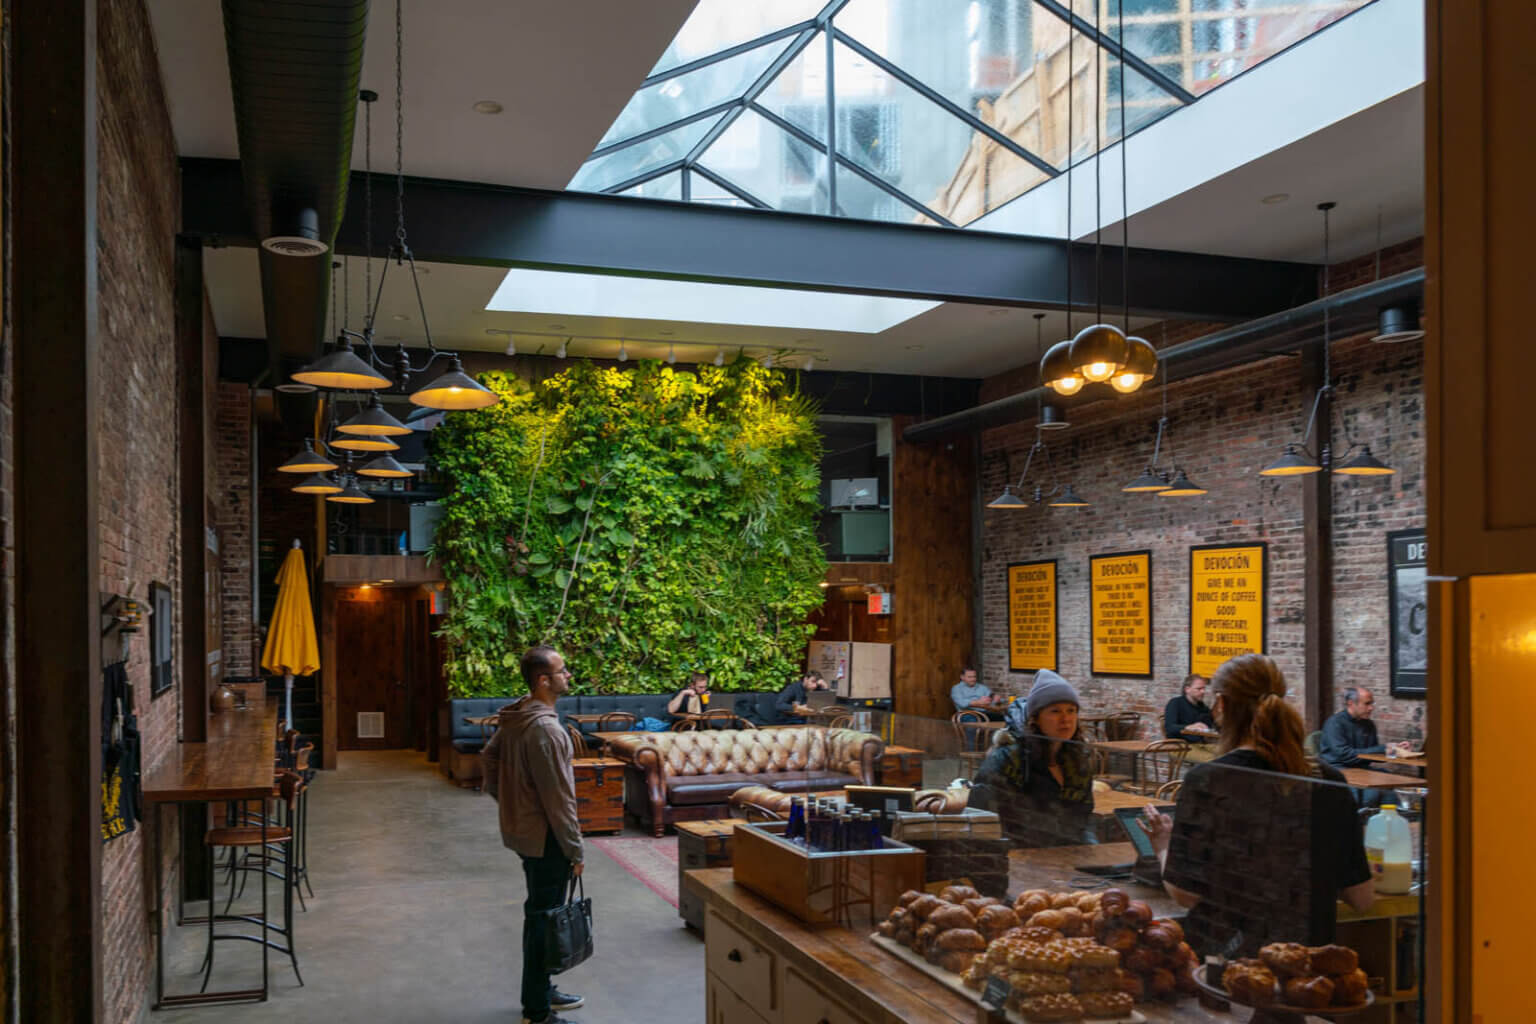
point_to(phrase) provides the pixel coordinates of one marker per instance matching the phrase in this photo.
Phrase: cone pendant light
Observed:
(455, 390)
(384, 466)
(307, 462)
(374, 422)
(342, 369)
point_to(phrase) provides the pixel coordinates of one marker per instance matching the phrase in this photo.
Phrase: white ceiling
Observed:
(564, 71)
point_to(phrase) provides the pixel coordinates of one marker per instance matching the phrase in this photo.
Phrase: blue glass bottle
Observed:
(876, 840)
(796, 827)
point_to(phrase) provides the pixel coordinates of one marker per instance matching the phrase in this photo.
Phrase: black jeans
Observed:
(547, 876)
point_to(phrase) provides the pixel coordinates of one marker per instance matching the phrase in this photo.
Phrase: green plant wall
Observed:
(645, 521)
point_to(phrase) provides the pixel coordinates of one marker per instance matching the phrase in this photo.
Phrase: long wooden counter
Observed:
(234, 764)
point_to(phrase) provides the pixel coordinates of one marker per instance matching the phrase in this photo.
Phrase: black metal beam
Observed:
(487, 225)
(1114, 49)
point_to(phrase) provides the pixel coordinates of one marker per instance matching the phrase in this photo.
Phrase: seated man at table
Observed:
(1188, 711)
(969, 695)
(692, 699)
(1350, 733)
(793, 697)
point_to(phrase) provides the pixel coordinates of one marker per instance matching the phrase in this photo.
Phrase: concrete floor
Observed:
(417, 917)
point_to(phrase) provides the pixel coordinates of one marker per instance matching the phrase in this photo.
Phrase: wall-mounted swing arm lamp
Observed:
(1057, 496)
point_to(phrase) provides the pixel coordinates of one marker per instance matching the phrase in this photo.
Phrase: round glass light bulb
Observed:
(1067, 385)
(1126, 383)
(1098, 372)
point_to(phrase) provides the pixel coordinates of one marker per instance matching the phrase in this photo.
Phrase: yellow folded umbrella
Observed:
(291, 648)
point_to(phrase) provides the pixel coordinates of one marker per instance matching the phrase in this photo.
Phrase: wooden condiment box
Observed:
(700, 844)
(901, 766)
(855, 888)
(599, 793)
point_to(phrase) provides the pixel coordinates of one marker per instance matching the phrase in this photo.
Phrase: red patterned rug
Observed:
(653, 861)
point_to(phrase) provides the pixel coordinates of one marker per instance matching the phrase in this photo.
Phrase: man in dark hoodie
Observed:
(527, 768)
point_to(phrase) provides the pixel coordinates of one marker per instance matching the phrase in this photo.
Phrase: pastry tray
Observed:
(1282, 1009)
(953, 982)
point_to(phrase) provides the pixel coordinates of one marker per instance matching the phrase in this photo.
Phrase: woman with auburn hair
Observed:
(1263, 839)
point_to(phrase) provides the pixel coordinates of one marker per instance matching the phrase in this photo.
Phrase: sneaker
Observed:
(563, 1000)
(551, 1019)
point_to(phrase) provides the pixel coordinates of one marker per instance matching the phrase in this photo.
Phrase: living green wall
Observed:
(645, 521)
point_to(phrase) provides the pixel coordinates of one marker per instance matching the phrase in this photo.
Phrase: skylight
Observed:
(599, 295)
(918, 111)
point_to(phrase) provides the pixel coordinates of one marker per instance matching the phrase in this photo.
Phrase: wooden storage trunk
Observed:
(855, 888)
(901, 766)
(599, 793)
(700, 844)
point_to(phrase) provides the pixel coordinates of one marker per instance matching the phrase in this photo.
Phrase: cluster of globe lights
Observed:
(1097, 354)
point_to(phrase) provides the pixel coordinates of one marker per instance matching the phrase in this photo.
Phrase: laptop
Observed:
(820, 698)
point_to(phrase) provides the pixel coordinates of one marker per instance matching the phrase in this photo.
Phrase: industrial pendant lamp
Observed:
(1154, 480)
(317, 484)
(384, 466)
(1008, 500)
(1050, 417)
(354, 443)
(350, 495)
(1181, 487)
(307, 462)
(1298, 459)
(1056, 370)
(1068, 498)
(454, 391)
(342, 369)
(1399, 323)
(373, 421)
(1140, 364)
(1100, 349)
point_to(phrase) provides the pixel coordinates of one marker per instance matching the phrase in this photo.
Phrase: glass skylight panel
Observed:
(798, 94)
(702, 190)
(717, 25)
(668, 186)
(600, 295)
(779, 169)
(900, 136)
(624, 164)
(858, 198)
(676, 98)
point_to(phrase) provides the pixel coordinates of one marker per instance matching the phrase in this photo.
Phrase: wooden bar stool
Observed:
(261, 835)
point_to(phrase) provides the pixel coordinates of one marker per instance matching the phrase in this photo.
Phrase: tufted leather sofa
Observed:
(687, 776)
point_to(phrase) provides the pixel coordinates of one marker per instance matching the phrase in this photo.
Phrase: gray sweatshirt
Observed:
(527, 768)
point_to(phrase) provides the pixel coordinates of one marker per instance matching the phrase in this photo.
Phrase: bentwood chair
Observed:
(616, 721)
(1169, 790)
(1122, 725)
(1158, 765)
(580, 746)
(966, 739)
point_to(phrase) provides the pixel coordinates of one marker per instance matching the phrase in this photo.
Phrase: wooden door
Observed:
(373, 672)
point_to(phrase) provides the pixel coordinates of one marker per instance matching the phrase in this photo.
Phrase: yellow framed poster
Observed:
(1120, 613)
(1031, 616)
(1228, 603)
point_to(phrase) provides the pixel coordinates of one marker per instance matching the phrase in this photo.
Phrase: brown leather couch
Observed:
(689, 776)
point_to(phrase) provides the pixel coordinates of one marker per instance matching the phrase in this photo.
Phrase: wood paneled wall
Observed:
(929, 577)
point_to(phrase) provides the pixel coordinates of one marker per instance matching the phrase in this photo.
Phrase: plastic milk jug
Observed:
(1389, 849)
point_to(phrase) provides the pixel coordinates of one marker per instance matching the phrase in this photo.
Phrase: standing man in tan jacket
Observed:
(527, 767)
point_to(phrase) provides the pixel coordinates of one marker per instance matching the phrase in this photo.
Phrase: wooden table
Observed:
(1365, 778)
(236, 763)
(1418, 762)
(1135, 748)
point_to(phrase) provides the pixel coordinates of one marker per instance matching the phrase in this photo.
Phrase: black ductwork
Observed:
(294, 70)
(1351, 312)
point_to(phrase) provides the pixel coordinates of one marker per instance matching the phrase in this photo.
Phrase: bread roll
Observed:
(1036, 983)
(1160, 937)
(1039, 933)
(1120, 939)
(1113, 902)
(1138, 914)
(1094, 979)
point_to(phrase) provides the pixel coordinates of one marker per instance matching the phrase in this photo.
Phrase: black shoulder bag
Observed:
(567, 930)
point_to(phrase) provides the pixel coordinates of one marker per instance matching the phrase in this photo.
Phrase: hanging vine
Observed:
(648, 522)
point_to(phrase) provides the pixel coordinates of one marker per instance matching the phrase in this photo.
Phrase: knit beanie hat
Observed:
(1049, 688)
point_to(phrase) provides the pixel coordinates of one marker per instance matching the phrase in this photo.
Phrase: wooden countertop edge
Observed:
(882, 990)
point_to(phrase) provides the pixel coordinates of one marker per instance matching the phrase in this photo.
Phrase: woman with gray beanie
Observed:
(1039, 779)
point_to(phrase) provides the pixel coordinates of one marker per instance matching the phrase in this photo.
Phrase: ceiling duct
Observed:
(294, 69)
(1353, 311)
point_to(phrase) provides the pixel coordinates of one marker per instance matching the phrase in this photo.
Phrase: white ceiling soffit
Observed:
(561, 72)
(1337, 117)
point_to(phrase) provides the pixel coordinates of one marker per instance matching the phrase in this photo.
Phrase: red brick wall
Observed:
(1224, 427)
(232, 494)
(138, 215)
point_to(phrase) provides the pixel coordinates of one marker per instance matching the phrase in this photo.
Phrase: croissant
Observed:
(924, 905)
(994, 921)
(957, 893)
(952, 916)
(925, 936)
(1064, 899)
(1056, 919)
(1074, 923)
(886, 928)
(1313, 993)
(960, 939)
(1031, 903)
(957, 961)
(907, 898)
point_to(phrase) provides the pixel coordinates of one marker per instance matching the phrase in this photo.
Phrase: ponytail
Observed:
(1254, 711)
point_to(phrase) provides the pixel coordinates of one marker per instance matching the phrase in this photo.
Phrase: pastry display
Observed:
(1297, 976)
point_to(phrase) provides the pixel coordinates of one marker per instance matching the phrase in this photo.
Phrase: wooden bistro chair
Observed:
(262, 836)
(842, 720)
(965, 735)
(580, 747)
(1122, 725)
(616, 721)
(1169, 790)
(1159, 765)
(716, 718)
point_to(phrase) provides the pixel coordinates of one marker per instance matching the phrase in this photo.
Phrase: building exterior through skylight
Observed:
(929, 112)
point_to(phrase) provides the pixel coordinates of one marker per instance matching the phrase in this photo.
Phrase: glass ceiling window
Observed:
(921, 112)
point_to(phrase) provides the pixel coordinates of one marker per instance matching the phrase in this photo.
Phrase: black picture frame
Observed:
(1055, 614)
(1093, 664)
(1189, 566)
(1408, 612)
(162, 659)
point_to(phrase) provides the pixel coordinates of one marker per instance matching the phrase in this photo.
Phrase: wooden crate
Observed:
(700, 844)
(599, 793)
(901, 766)
(855, 889)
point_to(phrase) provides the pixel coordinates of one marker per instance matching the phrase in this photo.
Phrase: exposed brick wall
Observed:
(232, 490)
(1224, 427)
(138, 215)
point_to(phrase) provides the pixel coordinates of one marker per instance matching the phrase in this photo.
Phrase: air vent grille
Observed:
(294, 245)
(370, 725)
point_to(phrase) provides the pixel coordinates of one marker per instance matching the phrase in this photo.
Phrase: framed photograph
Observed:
(1408, 609)
(1031, 616)
(161, 638)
